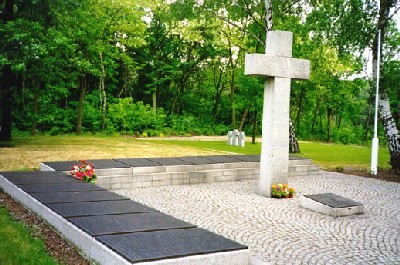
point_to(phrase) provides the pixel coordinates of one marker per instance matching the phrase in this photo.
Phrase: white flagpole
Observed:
(375, 140)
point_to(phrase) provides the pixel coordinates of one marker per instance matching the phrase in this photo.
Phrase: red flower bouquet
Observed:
(84, 171)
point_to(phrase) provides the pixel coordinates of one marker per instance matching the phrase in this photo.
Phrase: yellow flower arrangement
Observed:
(282, 191)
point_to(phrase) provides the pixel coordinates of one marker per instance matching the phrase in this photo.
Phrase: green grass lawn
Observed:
(27, 152)
(17, 246)
(327, 156)
(330, 156)
(220, 146)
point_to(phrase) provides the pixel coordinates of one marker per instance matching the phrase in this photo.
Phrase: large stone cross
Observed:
(278, 66)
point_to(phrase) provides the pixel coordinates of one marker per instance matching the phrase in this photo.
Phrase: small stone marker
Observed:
(230, 137)
(331, 204)
(279, 67)
(236, 138)
(241, 139)
(235, 141)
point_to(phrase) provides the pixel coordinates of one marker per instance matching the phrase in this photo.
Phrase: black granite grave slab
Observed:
(38, 177)
(31, 173)
(138, 162)
(333, 200)
(128, 223)
(223, 159)
(85, 196)
(77, 209)
(107, 163)
(246, 158)
(166, 161)
(52, 187)
(62, 165)
(196, 160)
(148, 246)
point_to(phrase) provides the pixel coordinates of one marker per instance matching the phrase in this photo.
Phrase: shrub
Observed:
(125, 115)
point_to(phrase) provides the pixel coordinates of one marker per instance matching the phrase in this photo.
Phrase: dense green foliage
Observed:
(158, 68)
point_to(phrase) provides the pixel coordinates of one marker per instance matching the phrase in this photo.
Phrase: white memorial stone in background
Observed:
(230, 137)
(278, 66)
(235, 138)
(241, 139)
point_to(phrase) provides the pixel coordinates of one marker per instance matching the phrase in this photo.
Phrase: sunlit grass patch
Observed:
(17, 246)
(27, 152)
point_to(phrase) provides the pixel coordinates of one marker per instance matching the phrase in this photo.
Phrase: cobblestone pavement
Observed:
(280, 231)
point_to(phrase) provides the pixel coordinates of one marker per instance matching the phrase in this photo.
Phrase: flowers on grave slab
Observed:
(282, 191)
(84, 171)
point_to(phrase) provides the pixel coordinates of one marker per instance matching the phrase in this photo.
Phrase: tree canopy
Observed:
(176, 67)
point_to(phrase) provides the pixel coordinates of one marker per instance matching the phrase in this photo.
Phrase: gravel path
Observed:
(280, 231)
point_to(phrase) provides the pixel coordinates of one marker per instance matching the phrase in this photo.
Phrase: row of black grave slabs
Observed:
(160, 161)
(136, 232)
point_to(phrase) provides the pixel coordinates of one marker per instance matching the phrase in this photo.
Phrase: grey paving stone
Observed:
(86, 196)
(148, 246)
(77, 209)
(128, 223)
(56, 187)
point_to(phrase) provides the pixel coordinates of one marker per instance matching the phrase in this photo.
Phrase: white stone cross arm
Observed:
(277, 60)
(278, 66)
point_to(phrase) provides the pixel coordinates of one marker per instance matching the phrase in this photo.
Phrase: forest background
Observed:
(154, 68)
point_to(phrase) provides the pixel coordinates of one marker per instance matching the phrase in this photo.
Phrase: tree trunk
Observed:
(35, 113)
(328, 124)
(154, 99)
(370, 107)
(300, 106)
(233, 107)
(216, 104)
(83, 86)
(6, 85)
(385, 114)
(293, 143)
(314, 119)
(7, 81)
(268, 15)
(103, 94)
(246, 111)
(391, 131)
(218, 85)
(253, 138)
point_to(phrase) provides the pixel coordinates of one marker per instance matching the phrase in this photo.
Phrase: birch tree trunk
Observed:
(391, 131)
(385, 114)
(293, 143)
